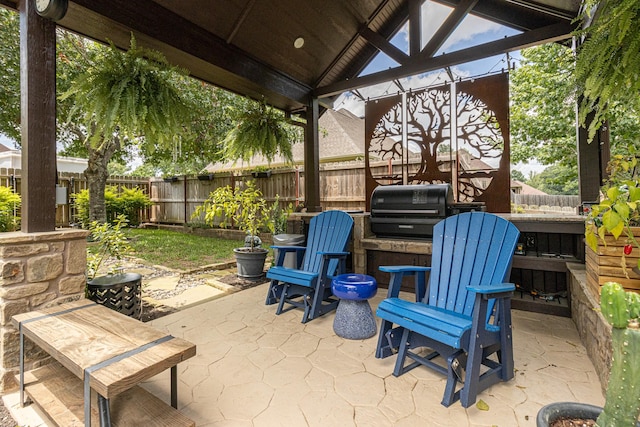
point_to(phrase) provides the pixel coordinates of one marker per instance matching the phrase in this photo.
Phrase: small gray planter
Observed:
(250, 263)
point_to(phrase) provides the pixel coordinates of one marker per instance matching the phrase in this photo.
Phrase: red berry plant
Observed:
(619, 207)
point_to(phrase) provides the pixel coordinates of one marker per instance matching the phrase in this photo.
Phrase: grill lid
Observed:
(430, 200)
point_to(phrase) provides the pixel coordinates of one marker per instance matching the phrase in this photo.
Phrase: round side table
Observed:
(354, 319)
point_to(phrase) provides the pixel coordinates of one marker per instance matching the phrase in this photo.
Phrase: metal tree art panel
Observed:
(410, 136)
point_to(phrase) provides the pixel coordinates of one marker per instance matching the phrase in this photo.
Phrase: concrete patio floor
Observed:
(254, 368)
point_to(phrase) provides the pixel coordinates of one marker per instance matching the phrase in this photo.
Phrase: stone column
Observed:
(37, 270)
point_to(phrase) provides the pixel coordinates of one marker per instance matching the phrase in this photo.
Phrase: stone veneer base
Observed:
(37, 270)
(593, 329)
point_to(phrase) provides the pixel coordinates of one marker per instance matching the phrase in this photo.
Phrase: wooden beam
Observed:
(415, 26)
(448, 26)
(523, 16)
(38, 119)
(419, 65)
(312, 158)
(593, 157)
(10, 4)
(175, 31)
(384, 45)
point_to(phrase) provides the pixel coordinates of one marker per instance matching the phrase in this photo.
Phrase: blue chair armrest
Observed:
(402, 268)
(490, 290)
(334, 254)
(399, 271)
(284, 250)
(289, 248)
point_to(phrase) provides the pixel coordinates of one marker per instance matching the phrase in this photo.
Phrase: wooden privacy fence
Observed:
(69, 184)
(341, 187)
(536, 201)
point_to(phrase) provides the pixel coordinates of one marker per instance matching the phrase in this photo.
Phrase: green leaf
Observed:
(634, 194)
(592, 241)
(611, 221)
(482, 405)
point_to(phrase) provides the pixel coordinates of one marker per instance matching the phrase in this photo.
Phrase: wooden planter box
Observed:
(605, 265)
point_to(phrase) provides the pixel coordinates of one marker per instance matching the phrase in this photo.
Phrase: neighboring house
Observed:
(518, 187)
(341, 139)
(12, 159)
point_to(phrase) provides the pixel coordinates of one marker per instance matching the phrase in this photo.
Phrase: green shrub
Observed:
(9, 203)
(127, 202)
(110, 242)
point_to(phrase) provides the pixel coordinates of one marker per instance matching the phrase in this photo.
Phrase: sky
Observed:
(472, 31)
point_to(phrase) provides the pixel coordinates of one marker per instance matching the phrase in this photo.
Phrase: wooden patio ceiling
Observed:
(247, 46)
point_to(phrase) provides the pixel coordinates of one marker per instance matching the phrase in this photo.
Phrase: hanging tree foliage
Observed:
(608, 62)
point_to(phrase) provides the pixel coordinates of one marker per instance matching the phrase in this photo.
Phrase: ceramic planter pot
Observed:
(554, 411)
(250, 263)
(557, 410)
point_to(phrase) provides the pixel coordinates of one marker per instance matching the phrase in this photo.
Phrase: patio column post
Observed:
(38, 119)
(312, 158)
(39, 266)
(592, 157)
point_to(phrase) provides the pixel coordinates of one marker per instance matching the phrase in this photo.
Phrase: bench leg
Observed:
(174, 387)
(21, 366)
(103, 409)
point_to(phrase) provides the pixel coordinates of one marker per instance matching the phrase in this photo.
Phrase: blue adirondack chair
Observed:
(309, 285)
(463, 315)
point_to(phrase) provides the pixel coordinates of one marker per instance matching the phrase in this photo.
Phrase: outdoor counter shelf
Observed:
(104, 351)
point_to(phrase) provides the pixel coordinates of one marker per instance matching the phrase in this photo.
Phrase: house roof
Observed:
(247, 46)
(526, 189)
(341, 139)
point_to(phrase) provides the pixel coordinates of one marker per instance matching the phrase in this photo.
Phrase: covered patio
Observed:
(254, 368)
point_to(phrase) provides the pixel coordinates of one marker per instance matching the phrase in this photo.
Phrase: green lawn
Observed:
(179, 250)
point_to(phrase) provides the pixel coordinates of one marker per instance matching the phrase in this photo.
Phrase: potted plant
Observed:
(259, 130)
(622, 405)
(614, 220)
(116, 290)
(246, 209)
(261, 172)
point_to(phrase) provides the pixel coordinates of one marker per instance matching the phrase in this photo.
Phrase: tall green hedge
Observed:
(126, 201)
(9, 204)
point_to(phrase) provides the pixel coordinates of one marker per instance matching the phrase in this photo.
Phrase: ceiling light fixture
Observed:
(298, 42)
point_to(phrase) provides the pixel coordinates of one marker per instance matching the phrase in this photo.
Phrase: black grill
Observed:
(413, 210)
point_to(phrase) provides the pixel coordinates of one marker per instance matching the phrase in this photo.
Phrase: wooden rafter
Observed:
(384, 45)
(418, 65)
(448, 26)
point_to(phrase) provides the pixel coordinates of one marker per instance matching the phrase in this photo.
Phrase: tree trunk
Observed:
(97, 175)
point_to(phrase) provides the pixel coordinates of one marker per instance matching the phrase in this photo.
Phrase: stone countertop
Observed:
(544, 218)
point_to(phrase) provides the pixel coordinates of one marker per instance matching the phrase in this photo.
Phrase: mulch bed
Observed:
(152, 312)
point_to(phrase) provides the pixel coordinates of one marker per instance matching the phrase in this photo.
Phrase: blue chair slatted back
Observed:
(473, 248)
(329, 231)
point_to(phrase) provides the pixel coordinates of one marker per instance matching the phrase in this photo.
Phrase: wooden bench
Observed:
(107, 355)
(59, 394)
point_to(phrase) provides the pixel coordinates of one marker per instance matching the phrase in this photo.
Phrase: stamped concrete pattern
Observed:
(254, 368)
